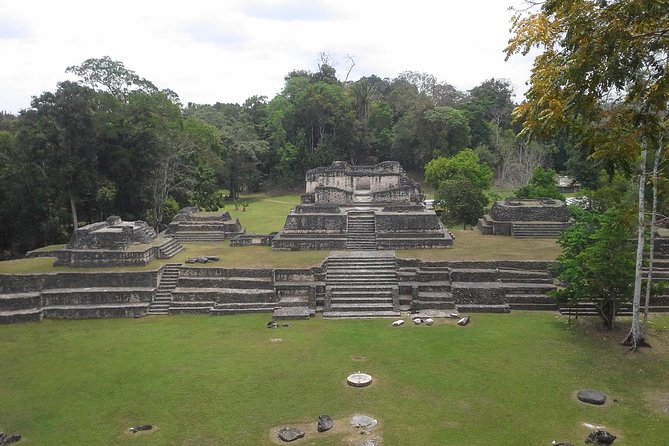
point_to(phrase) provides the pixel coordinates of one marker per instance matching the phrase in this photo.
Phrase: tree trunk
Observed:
(73, 207)
(651, 248)
(634, 337)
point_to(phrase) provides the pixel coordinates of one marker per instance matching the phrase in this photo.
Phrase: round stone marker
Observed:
(591, 397)
(359, 379)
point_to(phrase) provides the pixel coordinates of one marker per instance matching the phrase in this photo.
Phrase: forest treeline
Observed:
(114, 143)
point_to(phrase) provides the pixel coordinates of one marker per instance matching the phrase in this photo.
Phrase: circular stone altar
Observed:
(359, 379)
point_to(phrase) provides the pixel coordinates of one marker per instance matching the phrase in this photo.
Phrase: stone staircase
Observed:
(544, 229)
(361, 286)
(170, 248)
(361, 231)
(168, 282)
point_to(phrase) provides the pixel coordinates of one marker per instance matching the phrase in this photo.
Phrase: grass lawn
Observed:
(230, 257)
(265, 213)
(504, 379)
(472, 245)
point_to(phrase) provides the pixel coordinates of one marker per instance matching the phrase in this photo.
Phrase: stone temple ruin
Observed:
(361, 212)
(191, 225)
(115, 242)
(526, 218)
(361, 207)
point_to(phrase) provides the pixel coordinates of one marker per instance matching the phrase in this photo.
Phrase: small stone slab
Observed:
(600, 437)
(9, 439)
(143, 427)
(464, 321)
(417, 321)
(288, 434)
(325, 423)
(363, 421)
(398, 323)
(429, 321)
(359, 379)
(591, 397)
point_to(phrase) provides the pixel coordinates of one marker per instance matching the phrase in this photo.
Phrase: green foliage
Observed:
(169, 210)
(206, 194)
(597, 262)
(116, 144)
(541, 185)
(464, 165)
(464, 201)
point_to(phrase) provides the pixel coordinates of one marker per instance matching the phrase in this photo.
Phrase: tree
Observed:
(597, 262)
(60, 128)
(489, 103)
(602, 74)
(541, 185)
(463, 165)
(109, 75)
(445, 130)
(464, 200)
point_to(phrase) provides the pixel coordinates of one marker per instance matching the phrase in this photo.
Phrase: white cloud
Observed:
(227, 51)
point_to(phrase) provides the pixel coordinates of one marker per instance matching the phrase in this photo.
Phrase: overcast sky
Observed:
(228, 50)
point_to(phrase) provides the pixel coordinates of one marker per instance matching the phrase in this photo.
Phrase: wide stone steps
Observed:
(360, 314)
(361, 306)
(537, 229)
(361, 287)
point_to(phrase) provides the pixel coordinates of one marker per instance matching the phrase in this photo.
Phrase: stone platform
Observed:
(361, 208)
(192, 225)
(526, 218)
(114, 242)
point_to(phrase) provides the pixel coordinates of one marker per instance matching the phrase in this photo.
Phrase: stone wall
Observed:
(320, 223)
(332, 194)
(101, 257)
(407, 222)
(343, 176)
(74, 295)
(529, 210)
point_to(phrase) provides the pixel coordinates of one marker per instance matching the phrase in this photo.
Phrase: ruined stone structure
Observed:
(526, 218)
(361, 207)
(191, 225)
(115, 242)
(349, 284)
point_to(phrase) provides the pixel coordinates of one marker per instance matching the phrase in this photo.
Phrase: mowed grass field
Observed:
(503, 379)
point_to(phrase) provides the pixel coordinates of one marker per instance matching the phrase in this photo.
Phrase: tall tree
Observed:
(602, 63)
(106, 74)
(597, 262)
(62, 126)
